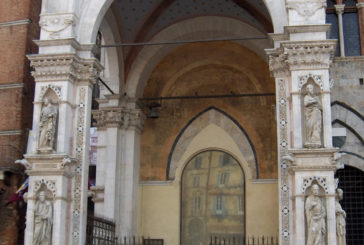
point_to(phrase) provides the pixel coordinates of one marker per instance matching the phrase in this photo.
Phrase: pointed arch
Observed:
(212, 115)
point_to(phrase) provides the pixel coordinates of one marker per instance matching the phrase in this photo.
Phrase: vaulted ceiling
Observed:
(140, 20)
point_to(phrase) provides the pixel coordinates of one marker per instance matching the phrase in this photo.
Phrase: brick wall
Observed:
(16, 108)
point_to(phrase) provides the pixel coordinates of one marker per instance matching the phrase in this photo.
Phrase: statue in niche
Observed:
(48, 126)
(313, 118)
(340, 219)
(43, 220)
(315, 216)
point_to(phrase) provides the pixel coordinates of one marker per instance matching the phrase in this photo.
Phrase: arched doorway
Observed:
(212, 199)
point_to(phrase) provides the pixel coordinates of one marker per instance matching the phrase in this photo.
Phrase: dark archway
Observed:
(351, 181)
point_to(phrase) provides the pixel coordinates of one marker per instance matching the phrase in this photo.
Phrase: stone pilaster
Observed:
(301, 58)
(66, 80)
(119, 122)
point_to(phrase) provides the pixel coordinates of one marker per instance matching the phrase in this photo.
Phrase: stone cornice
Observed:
(64, 67)
(50, 164)
(307, 29)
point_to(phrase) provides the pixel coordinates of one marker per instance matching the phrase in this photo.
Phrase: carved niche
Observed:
(311, 113)
(315, 213)
(43, 216)
(48, 122)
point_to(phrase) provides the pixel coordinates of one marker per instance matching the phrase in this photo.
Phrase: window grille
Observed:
(351, 181)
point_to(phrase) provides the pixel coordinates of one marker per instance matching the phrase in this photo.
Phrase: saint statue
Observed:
(48, 125)
(313, 119)
(315, 216)
(340, 219)
(43, 219)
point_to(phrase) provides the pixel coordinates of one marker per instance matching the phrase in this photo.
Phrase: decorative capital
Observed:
(119, 117)
(108, 117)
(309, 55)
(64, 67)
(360, 5)
(277, 63)
(134, 119)
(339, 8)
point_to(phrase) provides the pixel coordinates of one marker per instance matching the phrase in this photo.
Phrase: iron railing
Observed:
(100, 231)
(242, 240)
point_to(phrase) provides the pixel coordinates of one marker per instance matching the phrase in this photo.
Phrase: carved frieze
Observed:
(303, 55)
(307, 55)
(306, 8)
(119, 117)
(54, 24)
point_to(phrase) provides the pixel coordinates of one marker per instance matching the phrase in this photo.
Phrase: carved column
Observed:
(67, 79)
(340, 11)
(300, 63)
(119, 122)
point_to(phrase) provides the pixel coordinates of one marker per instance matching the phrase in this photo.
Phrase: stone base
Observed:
(313, 145)
(45, 150)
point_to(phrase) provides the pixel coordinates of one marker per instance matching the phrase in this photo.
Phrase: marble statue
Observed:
(48, 126)
(313, 119)
(315, 216)
(340, 219)
(43, 220)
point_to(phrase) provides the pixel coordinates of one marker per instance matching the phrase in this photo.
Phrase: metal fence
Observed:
(100, 231)
(250, 240)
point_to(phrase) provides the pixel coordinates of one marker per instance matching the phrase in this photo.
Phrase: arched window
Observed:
(350, 26)
(351, 181)
(213, 199)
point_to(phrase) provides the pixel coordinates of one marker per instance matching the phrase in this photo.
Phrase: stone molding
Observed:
(64, 67)
(307, 29)
(306, 8)
(50, 164)
(11, 85)
(119, 117)
(15, 23)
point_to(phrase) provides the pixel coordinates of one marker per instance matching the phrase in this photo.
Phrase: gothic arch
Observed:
(90, 19)
(196, 125)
